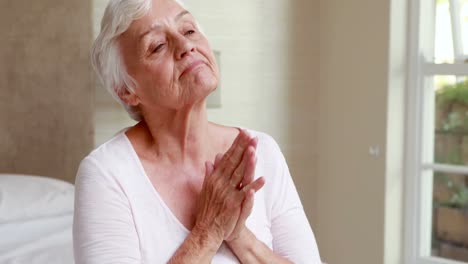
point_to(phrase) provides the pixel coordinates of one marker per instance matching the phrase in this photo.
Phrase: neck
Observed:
(179, 136)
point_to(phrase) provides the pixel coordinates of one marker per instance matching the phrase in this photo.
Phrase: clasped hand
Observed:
(227, 196)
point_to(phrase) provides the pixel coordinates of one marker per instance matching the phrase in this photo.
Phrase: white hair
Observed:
(106, 56)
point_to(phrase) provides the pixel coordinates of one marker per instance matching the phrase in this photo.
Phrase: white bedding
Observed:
(36, 215)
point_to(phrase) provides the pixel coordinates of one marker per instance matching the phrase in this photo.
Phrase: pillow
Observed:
(26, 197)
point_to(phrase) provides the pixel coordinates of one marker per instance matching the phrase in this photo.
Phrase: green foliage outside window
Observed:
(451, 133)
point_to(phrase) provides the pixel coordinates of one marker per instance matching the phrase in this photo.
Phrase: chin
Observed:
(206, 91)
(199, 94)
(207, 86)
(201, 87)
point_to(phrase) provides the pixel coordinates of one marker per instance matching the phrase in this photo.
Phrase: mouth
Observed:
(192, 66)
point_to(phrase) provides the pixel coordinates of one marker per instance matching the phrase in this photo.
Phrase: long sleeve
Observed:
(292, 235)
(103, 229)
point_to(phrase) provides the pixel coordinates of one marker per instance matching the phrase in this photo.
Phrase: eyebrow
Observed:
(181, 14)
(156, 26)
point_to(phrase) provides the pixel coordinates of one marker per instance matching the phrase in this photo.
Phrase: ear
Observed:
(128, 97)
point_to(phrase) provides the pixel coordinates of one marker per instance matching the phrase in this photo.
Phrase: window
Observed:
(436, 229)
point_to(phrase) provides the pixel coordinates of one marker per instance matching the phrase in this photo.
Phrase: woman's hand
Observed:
(225, 203)
(220, 202)
(221, 199)
(247, 171)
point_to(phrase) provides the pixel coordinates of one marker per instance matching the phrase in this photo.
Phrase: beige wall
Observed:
(109, 116)
(361, 102)
(45, 87)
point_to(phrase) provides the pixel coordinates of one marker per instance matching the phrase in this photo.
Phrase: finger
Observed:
(256, 185)
(247, 163)
(230, 150)
(235, 143)
(233, 157)
(249, 172)
(254, 142)
(218, 158)
(208, 172)
(208, 169)
(247, 206)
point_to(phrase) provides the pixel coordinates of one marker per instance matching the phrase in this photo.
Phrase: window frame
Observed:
(419, 166)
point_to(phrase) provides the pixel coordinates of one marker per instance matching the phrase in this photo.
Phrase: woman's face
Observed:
(170, 59)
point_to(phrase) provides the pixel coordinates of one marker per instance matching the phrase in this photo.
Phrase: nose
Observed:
(184, 47)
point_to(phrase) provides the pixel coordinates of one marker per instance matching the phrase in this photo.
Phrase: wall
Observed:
(361, 105)
(45, 87)
(109, 116)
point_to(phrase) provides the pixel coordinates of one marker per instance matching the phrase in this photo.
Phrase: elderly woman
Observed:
(176, 188)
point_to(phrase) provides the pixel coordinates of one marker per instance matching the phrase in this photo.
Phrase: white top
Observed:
(120, 217)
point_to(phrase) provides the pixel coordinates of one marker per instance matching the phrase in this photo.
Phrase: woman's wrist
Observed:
(249, 249)
(246, 247)
(244, 242)
(200, 246)
(207, 238)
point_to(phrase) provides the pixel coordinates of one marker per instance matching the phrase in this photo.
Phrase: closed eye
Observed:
(189, 32)
(159, 47)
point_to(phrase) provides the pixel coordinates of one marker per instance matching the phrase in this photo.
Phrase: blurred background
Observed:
(368, 101)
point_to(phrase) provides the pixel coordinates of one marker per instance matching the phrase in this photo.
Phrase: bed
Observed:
(36, 215)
